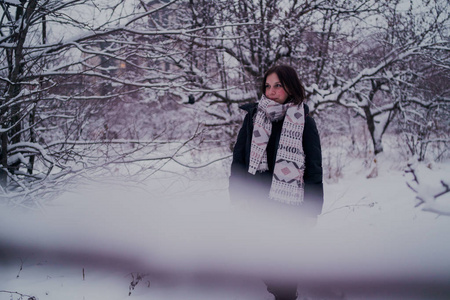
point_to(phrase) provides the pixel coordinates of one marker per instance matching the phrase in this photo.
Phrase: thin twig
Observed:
(20, 294)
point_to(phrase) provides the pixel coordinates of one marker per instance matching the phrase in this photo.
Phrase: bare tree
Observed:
(384, 70)
(357, 54)
(62, 76)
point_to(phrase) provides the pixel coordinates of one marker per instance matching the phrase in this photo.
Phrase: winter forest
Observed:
(117, 124)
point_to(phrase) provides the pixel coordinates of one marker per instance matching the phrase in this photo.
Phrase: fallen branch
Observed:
(427, 196)
(20, 294)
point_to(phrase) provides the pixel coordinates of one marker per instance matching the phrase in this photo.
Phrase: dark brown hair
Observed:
(290, 81)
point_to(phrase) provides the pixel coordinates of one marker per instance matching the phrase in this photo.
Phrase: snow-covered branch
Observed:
(431, 192)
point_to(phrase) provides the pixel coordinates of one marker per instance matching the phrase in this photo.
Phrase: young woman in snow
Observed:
(277, 160)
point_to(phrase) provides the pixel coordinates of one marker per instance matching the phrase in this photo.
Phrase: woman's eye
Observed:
(278, 85)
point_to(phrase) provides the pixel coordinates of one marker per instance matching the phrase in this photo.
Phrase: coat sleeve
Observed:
(312, 177)
(239, 165)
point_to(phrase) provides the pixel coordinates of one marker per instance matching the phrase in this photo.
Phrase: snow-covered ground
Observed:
(177, 237)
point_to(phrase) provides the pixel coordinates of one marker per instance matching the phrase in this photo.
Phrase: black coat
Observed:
(245, 187)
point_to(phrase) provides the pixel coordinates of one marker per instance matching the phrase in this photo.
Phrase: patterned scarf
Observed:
(287, 180)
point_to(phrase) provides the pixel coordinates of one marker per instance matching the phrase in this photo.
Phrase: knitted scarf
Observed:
(287, 180)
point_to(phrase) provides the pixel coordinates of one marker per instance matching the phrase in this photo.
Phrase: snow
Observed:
(179, 233)
(13, 2)
(16, 159)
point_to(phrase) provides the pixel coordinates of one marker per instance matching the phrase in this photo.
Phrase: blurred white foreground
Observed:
(183, 239)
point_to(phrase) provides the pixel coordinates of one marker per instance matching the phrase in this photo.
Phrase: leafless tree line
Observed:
(86, 84)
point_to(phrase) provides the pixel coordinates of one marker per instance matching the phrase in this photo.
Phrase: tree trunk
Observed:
(376, 140)
(4, 160)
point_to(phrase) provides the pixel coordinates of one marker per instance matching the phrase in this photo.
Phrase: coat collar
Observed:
(248, 107)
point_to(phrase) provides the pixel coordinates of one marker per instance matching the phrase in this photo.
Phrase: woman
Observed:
(277, 160)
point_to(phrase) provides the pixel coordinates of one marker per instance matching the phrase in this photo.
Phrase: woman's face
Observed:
(274, 89)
